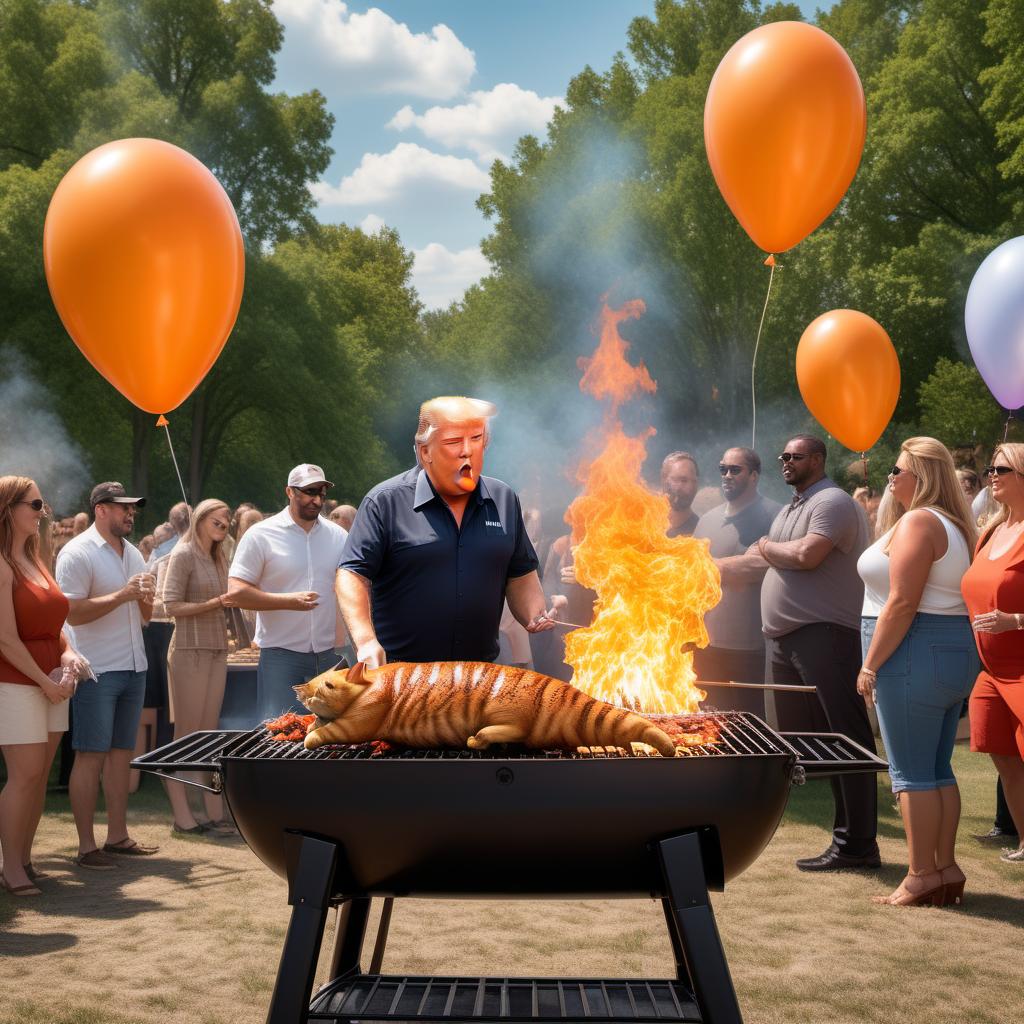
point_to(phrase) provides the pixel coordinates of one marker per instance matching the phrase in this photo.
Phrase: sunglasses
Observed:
(792, 456)
(730, 470)
(996, 470)
(36, 504)
(895, 471)
(313, 492)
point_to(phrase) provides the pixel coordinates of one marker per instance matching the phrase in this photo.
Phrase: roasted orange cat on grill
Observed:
(465, 703)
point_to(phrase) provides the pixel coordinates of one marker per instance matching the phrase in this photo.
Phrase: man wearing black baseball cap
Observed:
(104, 577)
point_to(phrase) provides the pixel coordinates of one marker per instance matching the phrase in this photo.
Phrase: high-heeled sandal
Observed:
(953, 895)
(933, 897)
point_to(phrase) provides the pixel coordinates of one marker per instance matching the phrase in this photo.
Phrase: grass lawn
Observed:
(193, 935)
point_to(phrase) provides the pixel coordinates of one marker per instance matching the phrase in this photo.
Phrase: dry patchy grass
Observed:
(193, 935)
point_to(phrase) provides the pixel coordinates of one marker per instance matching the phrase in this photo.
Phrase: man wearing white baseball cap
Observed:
(284, 570)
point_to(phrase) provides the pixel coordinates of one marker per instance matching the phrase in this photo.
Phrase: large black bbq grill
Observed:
(347, 822)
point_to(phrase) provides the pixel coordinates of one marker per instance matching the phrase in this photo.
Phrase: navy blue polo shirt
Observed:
(437, 591)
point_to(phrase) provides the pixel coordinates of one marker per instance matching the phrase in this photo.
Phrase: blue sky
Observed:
(426, 95)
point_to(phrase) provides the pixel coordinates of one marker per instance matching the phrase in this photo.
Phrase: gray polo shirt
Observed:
(735, 622)
(833, 592)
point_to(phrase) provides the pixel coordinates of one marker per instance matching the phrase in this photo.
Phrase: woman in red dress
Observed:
(993, 590)
(33, 708)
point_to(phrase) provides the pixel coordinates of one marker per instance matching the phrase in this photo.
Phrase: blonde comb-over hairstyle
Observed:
(452, 409)
(936, 487)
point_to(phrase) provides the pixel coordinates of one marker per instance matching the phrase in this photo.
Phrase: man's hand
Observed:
(371, 654)
(73, 663)
(543, 622)
(227, 601)
(141, 587)
(568, 574)
(304, 602)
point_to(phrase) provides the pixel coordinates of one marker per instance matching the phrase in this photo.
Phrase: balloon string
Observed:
(753, 365)
(1006, 429)
(864, 467)
(181, 484)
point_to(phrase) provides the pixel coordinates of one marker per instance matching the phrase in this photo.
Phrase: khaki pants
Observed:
(195, 681)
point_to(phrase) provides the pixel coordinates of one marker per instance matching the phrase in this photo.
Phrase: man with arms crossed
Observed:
(811, 601)
(736, 649)
(104, 577)
(435, 551)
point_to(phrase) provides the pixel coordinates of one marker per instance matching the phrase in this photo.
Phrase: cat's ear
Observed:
(355, 674)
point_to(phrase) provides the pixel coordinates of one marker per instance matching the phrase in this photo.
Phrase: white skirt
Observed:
(26, 716)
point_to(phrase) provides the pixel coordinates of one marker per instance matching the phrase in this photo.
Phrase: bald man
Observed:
(434, 552)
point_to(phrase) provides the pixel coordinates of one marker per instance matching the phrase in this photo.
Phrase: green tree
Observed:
(957, 408)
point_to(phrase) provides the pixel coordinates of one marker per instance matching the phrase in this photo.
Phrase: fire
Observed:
(652, 590)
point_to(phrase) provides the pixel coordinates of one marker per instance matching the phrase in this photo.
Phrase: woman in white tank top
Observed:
(920, 659)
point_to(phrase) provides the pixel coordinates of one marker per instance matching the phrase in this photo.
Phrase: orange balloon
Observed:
(784, 127)
(849, 376)
(145, 263)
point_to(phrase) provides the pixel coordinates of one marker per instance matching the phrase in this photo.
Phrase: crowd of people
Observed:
(907, 604)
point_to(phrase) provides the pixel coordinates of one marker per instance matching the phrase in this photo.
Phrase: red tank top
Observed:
(40, 615)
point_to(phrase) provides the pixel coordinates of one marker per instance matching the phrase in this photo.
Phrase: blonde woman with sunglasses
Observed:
(994, 592)
(194, 592)
(919, 658)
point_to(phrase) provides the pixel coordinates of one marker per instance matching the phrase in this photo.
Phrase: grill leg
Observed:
(309, 891)
(382, 935)
(349, 936)
(695, 939)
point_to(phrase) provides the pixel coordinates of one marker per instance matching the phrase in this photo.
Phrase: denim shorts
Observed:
(919, 694)
(279, 670)
(107, 711)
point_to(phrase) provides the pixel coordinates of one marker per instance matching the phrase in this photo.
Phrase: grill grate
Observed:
(739, 733)
(394, 997)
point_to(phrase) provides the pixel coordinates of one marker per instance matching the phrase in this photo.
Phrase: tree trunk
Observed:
(142, 438)
(196, 464)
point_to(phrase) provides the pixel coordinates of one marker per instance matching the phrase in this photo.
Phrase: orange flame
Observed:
(652, 590)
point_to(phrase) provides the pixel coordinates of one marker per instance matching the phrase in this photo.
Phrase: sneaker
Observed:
(195, 830)
(996, 835)
(1012, 856)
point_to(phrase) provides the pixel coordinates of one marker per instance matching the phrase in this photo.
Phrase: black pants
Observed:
(724, 664)
(829, 657)
(1004, 820)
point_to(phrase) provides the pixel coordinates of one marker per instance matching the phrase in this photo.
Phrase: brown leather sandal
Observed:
(19, 890)
(129, 847)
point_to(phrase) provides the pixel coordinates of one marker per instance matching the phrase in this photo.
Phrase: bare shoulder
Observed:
(918, 528)
(6, 573)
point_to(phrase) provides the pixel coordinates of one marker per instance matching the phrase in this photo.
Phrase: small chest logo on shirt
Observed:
(491, 522)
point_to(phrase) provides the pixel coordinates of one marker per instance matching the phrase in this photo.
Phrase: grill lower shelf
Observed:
(383, 997)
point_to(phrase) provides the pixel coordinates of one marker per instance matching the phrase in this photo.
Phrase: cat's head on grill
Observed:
(329, 695)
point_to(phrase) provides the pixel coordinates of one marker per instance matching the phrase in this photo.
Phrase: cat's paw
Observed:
(475, 744)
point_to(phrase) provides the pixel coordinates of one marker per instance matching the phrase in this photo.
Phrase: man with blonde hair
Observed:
(435, 551)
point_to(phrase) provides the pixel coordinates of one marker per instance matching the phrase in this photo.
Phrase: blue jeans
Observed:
(919, 694)
(279, 670)
(107, 711)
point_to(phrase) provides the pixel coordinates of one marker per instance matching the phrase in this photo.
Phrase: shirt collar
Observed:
(799, 499)
(284, 518)
(425, 492)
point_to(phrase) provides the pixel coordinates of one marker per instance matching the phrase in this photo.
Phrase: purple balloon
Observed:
(994, 317)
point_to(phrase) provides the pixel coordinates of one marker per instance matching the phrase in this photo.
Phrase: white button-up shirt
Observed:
(280, 557)
(88, 566)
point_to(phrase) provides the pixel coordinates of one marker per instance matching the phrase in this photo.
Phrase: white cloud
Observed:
(337, 50)
(442, 276)
(371, 223)
(489, 124)
(385, 177)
